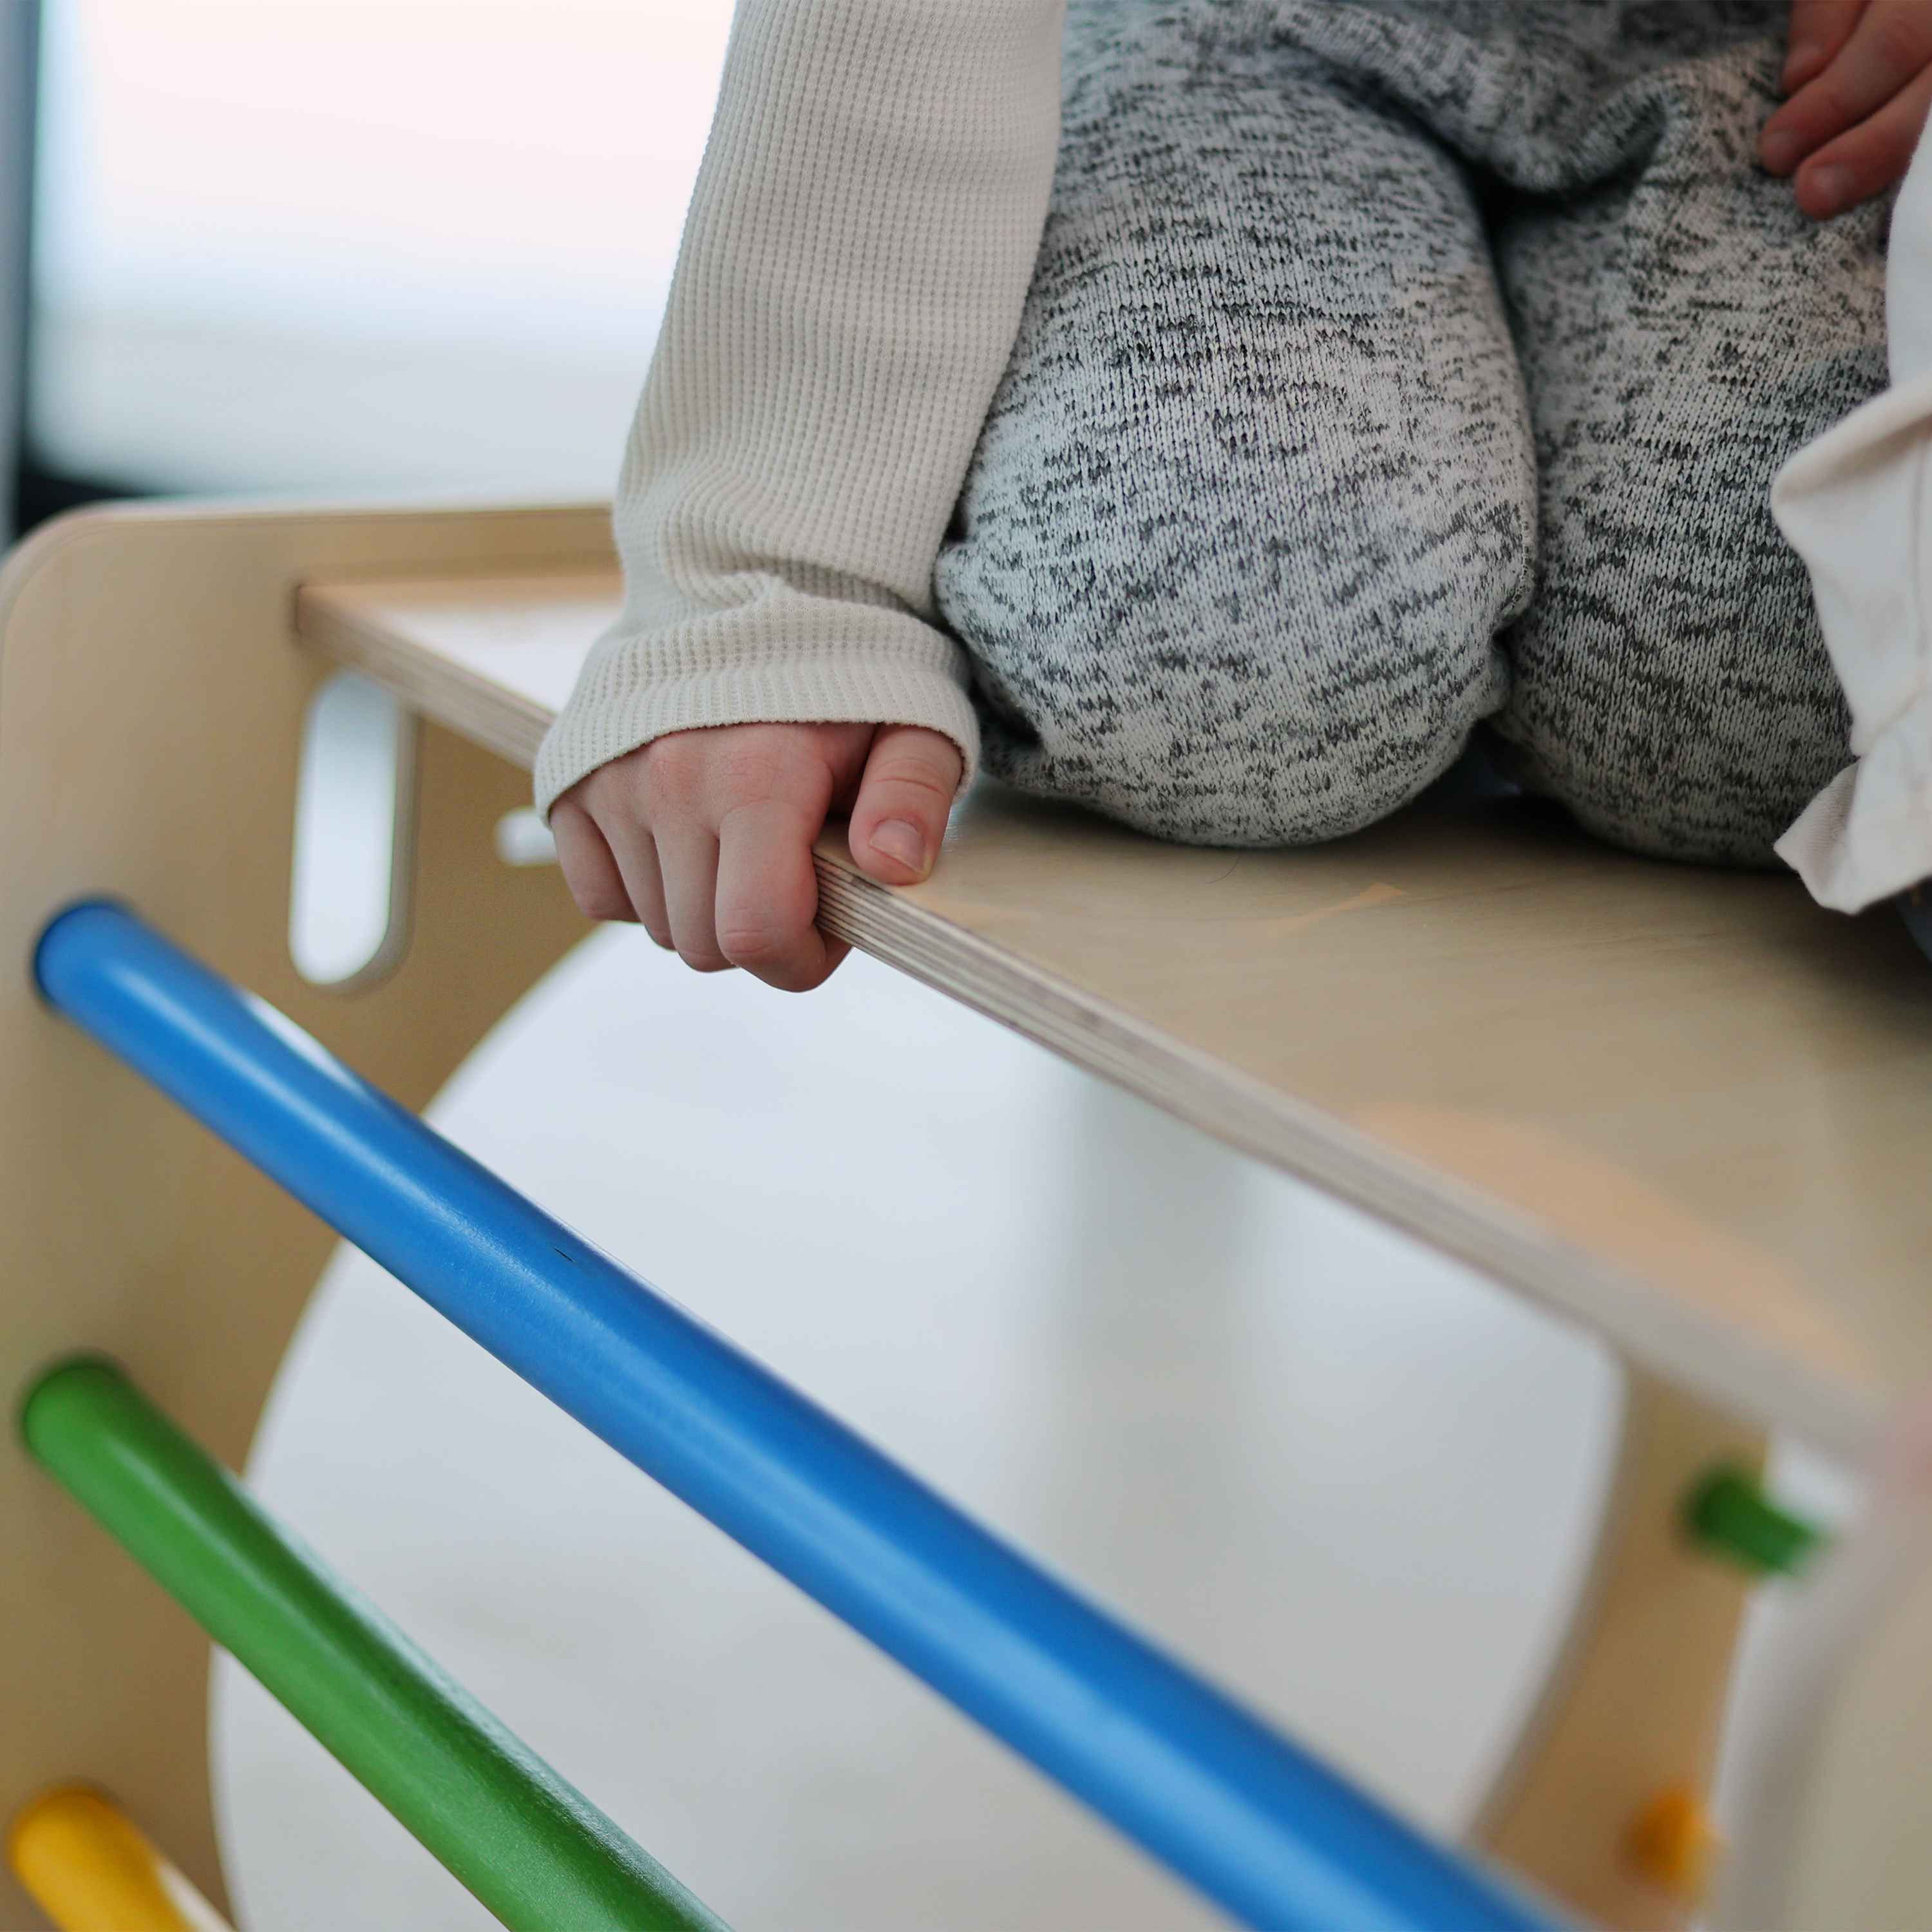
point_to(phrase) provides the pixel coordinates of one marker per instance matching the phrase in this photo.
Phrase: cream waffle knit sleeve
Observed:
(847, 294)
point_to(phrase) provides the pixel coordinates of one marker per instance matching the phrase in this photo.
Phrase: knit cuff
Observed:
(886, 668)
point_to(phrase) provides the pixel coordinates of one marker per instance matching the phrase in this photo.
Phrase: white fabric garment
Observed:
(859, 245)
(1857, 506)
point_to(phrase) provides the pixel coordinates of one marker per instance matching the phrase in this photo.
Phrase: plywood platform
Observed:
(1685, 1106)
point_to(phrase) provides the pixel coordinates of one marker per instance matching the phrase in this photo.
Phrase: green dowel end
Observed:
(1729, 1514)
(531, 1848)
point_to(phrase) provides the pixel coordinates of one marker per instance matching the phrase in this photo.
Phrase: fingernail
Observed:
(1831, 189)
(1778, 151)
(898, 840)
(1802, 55)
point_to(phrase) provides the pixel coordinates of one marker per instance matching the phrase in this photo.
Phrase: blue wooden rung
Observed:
(1275, 1837)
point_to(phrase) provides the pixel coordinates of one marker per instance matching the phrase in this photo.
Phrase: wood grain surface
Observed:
(1682, 1106)
(151, 699)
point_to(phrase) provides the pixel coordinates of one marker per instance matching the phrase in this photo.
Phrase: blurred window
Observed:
(359, 244)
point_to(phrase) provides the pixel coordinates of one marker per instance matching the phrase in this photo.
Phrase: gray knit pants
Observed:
(1391, 365)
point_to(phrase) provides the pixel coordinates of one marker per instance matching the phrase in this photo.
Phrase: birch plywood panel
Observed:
(1684, 1106)
(151, 698)
(494, 658)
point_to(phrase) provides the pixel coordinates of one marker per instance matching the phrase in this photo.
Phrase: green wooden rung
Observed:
(1730, 1515)
(533, 1850)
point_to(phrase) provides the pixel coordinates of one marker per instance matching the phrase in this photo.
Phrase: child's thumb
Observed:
(899, 818)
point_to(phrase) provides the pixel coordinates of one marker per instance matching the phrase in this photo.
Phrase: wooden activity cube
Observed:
(1685, 1108)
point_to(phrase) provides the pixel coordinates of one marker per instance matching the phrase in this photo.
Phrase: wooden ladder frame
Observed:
(152, 694)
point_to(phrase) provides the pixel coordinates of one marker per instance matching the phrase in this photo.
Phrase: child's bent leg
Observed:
(1683, 331)
(1255, 495)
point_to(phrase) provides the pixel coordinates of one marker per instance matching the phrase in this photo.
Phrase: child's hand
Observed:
(705, 836)
(1859, 76)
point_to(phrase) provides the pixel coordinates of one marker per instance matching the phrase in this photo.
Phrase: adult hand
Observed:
(1859, 76)
(705, 836)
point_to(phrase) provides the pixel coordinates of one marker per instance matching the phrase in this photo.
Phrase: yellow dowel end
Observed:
(1673, 1843)
(91, 1869)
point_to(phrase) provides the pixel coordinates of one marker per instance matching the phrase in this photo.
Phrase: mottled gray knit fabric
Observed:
(1394, 364)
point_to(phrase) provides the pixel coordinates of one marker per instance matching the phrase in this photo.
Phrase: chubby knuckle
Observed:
(758, 773)
(754, 943)
(601, 902)
(673, 766)
(1827, 105)
(713, 780)
(603, 787)
(775, 827)
(913, 775)
(1902, 38)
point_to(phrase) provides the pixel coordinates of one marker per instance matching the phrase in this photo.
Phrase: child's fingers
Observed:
(899, 818)
(687, 858)
(635, 854)
(589, 870)
(1887, 50)
(767, 898)
(1818, 29)
(1870, 158)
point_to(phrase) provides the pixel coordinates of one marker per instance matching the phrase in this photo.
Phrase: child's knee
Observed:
(1689, 749)
(1213, 705)
(1671, 685)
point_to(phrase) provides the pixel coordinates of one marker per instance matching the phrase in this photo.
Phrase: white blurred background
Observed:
(359, 244)
(374, 246)
(1347, 1480)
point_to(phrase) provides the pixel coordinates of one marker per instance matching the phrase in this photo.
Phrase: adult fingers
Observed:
(589, 869)
(1818, 29)
(899, 818)
(1887, 51)
(768, 895)
(1870, 158)
(687, 857)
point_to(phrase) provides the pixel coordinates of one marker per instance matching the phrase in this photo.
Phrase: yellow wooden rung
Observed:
(90, 1868)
